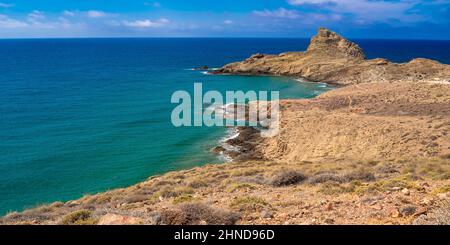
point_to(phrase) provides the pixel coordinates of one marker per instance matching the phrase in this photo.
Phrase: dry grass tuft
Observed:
(197, 213)
(249, 204)
(168, 192)
(240, 186)
(134, 198)
(197, 183)
(359, 175)
(183, 199)
(287, 177)
(334, 188)
(80, 217)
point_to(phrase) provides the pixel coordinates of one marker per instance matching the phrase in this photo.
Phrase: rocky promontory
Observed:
(376, 151)
(333, 59)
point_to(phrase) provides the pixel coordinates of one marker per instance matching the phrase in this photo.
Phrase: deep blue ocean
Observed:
(81, 116)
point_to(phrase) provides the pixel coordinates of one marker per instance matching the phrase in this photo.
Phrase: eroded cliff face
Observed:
(333, 59)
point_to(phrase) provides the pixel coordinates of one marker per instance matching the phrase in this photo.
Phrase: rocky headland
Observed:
(333, 59)
(376, 150)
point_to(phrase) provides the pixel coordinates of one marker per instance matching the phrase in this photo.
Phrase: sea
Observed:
(81, 116)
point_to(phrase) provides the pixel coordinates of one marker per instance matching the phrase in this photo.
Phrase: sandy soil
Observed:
(367, 122)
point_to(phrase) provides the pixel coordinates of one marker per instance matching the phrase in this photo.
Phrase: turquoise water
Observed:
(81, 116)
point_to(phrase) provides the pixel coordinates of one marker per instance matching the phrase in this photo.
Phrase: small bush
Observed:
(250, 204)
(342, 178)
(168, 192)
(183, 199)
(326, 177)
(240, 186)
(197, 183)
(162, 183)
(408, 210)
(257, 179)
(80, 217)
(196, 213)
(45, 209)
(25, 217)
(387, 168)
(435, 170)
(246, 172)
(57, 204)
(359, 175)
(333, 188)
(136, 198)
(287, 178)
(100, 199)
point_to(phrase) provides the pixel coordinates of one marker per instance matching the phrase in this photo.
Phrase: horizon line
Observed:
(209, 37)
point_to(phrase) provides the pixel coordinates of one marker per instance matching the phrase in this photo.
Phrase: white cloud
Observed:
(324, 17)
(36, 15)
(366, 10)
(68, 13)
(301, 2)
(146, 23)
(37, 19)
(279, 13)
(153, 4)
(292, 18)
(96, 14)
(228, 22)
(7, 22)
(6, 5)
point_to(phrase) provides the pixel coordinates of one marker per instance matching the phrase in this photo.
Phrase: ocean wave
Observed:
(227, 109)
(303, 80)
(232, 133)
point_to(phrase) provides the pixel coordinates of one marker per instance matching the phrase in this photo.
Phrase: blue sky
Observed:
(405, 19)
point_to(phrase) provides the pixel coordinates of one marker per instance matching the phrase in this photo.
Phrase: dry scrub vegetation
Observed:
(375, 152)
(257, 192)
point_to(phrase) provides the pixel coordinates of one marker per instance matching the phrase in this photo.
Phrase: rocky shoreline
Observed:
(241, 146)
(379, 146)
(331, 59)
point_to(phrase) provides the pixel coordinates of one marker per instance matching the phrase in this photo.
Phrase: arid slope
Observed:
(373, 121)
(376, 151)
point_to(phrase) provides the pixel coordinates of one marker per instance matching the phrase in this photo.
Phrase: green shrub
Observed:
(250, 204)
(80, 217)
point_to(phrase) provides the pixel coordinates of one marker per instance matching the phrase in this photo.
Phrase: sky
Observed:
(391, 19)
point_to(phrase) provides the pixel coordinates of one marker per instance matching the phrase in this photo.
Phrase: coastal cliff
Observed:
(333, 59)
(376, 151)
